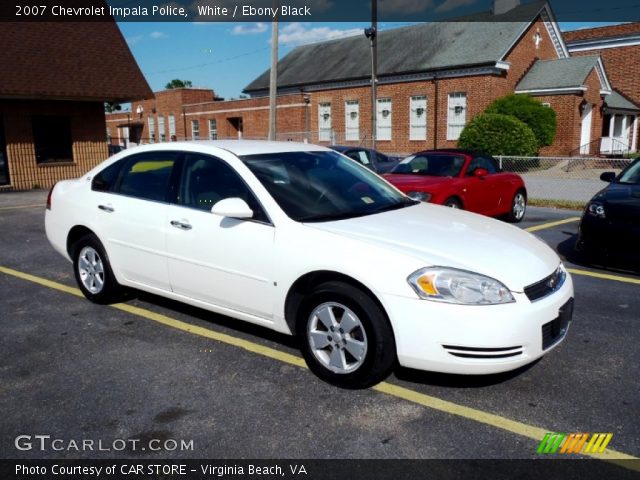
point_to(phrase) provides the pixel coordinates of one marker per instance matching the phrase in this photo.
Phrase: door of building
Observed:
(585, 134)
(4, 162)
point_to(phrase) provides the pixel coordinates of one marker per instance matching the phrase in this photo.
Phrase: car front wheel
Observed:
(518, 207)
(345, 336)
(93, 271)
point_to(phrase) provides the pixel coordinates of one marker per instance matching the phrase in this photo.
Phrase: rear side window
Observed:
(147, 176)
(105, 181)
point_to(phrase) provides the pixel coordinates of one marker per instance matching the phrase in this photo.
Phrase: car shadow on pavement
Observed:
(215, 319)
(458, 381)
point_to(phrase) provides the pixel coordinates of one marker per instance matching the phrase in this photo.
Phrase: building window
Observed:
(213, 129)
(324, 122)
(52, 139)
(383, 119)
(108, 135)
(161, 130)
(418, 118)
(172, 127)
(152, 130)
(352, 120)
(195, 130)
(457, 115)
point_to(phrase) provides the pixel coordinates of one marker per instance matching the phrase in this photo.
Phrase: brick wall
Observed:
(87, 133)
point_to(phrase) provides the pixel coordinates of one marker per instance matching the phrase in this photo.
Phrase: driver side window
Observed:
(481, 162)
(207, 180)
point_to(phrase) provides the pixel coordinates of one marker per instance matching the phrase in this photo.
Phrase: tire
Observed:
(453, 202)
(518, 207)
(356, 354)
(93, 271)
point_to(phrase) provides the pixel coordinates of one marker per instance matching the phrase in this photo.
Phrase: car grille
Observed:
(555, 330)
(482, 353)
(546, 286)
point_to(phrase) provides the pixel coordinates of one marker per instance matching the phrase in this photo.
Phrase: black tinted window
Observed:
(147, 176)
(487, 163)
(437, 165)
(207, 180)
(105, 181)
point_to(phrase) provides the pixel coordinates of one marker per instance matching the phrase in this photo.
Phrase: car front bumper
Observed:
(485, 339)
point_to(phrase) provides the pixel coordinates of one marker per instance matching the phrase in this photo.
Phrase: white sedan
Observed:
(305, 241)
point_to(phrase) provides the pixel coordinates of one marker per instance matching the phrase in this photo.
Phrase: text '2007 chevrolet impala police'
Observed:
(305, 241)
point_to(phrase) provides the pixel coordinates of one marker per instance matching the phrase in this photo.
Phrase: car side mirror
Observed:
(480, 172)
(608, 176)
(232, 208)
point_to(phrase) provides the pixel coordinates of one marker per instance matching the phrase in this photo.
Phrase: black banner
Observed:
(542, 469)
(314, 10)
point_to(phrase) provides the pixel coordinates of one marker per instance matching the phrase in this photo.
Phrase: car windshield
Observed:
(323, 186)
(631, 176)
(437, 165)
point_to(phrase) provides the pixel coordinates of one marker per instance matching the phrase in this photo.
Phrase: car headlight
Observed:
(596, 209)
(420, 196)
(451, 285)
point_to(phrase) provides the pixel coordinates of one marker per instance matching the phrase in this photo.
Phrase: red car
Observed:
(462, 179)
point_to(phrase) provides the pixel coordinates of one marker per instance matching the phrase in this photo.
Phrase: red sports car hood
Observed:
(408, 180)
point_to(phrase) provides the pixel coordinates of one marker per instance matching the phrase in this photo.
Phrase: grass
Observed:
(562, 204)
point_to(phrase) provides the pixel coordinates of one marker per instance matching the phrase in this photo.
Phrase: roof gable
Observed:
(68, 60)
(562, 74)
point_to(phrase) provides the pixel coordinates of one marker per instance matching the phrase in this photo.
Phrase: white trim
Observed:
(554, 91)
(603, 43)
(602, 76)
(502, 65)
(208, 112)
(634, 135)
(554, 31)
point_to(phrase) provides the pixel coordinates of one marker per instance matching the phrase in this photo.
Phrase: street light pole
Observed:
(273, 80)
(372, 34)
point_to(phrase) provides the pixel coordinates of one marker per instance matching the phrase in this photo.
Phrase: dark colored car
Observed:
(611, 221)
(462, 179)
(372, 159)
(113, 149)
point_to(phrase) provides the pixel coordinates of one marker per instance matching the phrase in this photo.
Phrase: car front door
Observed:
(482, 193)
(221, 261)
(130, 199)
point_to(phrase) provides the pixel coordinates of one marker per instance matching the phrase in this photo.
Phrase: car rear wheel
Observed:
(93, 271)
(345, 336)
(452, 202)
(518, 207)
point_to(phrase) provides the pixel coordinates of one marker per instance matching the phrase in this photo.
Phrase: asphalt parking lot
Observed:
(156, 369)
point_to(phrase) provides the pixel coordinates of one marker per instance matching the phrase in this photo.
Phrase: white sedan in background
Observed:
(305, 241)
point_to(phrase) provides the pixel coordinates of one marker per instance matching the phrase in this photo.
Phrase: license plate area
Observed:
(555, 330)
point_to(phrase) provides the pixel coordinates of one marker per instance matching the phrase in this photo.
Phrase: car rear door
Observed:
(221, 261)
(131, 216)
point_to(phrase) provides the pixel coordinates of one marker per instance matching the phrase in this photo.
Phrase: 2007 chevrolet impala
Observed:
(303, 240)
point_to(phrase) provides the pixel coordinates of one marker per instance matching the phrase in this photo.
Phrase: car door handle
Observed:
(106, 208)
(181, 225)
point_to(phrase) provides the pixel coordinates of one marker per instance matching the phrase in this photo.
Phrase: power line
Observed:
(200, 65)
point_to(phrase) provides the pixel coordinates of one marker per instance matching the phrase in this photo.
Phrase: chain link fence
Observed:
(574, 179)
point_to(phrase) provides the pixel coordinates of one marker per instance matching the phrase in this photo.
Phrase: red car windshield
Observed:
(437, 165)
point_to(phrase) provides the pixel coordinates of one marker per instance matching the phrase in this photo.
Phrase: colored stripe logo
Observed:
(568, 443)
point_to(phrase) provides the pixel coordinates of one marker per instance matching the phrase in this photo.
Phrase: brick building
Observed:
(432, 79)
(55, 79)
(619, 48)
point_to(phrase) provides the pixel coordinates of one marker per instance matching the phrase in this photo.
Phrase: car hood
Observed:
(416, 181)
(621, 201)
(441, 236)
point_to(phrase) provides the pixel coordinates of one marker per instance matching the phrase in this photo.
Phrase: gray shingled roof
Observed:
(416, 48)
(561, 73)
(618, 102)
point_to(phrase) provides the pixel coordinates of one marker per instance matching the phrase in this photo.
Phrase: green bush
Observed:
(541, 120)
(498, 134)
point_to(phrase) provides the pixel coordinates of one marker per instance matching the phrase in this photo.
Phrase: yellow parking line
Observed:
(480, 416)
(22, 206)
(544, 226)
(605, 276)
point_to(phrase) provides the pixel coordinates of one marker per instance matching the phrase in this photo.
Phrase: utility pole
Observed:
(273, 81)
(372, 34)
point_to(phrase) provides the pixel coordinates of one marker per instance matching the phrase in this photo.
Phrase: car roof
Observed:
(343, 148)
(237, 147)
(462, 151)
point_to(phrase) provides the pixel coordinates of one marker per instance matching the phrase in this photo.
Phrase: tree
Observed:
(540, 119)
(497, 134)
(111, 107)
(177, 83)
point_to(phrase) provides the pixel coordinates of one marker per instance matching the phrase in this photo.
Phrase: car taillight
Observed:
(49, 197)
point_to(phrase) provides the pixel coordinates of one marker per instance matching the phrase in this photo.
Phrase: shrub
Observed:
(540, 119)
(498, 134)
